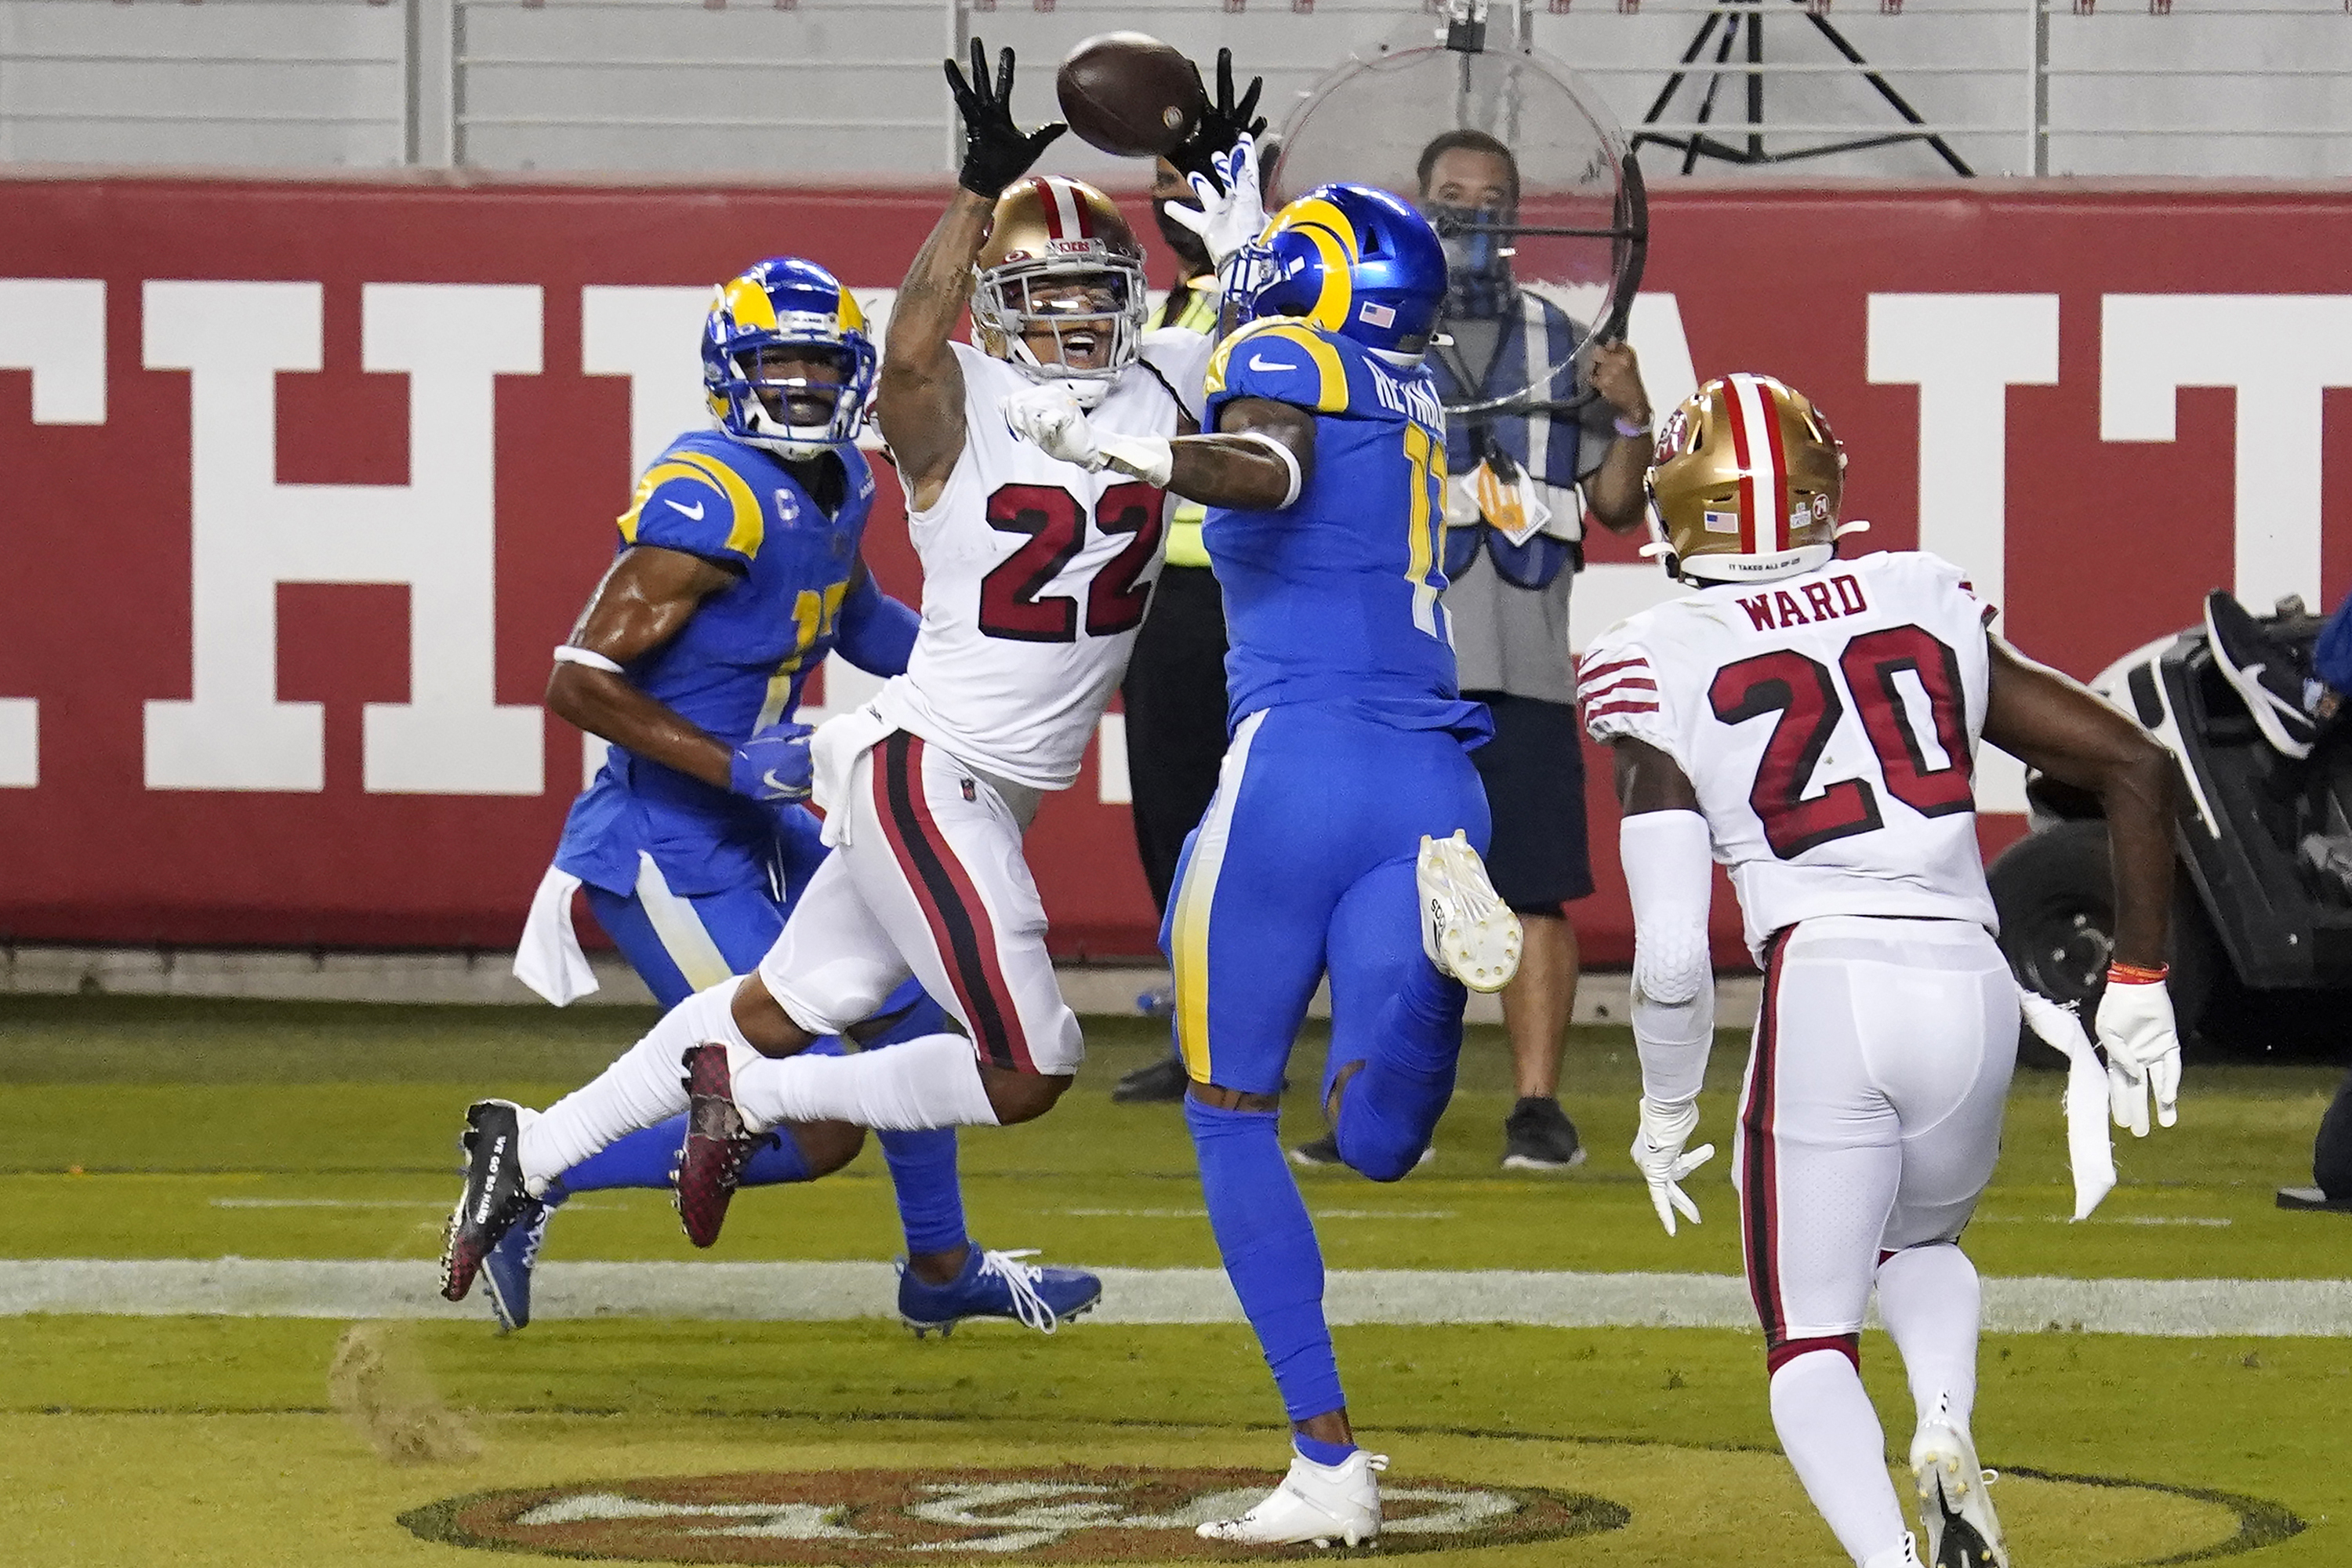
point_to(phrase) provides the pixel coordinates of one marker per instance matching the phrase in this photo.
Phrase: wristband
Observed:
(2134, 974)
(1632, 429)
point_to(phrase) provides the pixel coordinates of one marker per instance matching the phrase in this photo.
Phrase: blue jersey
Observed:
(1334, 599)
(737, 664)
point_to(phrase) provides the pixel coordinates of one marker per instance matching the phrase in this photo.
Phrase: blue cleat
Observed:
(997, 1285)
(505, 1269)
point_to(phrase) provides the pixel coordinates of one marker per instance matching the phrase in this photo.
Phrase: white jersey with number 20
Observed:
(1035, 576)
(1829, 723)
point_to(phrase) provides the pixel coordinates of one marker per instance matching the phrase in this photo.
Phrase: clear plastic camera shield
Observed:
(1577, 236)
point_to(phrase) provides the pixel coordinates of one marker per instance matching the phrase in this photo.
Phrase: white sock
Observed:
(1899, 1555)
(643, 1088)
(933, 1081)
(1931, 1303)
(1831, 1436)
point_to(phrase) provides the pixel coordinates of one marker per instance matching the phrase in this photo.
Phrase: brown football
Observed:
(1129, 94)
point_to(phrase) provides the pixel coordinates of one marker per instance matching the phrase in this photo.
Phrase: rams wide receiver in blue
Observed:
(738, 571)
(1345, 831)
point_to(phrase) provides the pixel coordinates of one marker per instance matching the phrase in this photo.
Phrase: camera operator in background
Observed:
(1514, 524)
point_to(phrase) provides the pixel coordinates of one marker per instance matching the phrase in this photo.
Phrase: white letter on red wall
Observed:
(2279, 351)
(436, 534)
(56, 328)
(1964, 351)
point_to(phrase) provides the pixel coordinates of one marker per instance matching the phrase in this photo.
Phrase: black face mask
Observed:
(1181, 240)
(1478, 273)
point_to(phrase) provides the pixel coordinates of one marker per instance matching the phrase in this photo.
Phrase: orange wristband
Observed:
(2133, 974)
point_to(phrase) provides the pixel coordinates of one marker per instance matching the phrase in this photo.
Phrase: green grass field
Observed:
(134, 1130)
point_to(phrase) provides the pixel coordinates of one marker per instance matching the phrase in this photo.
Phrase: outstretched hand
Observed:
(1223, 123)
(1230, 214)
(995, 150)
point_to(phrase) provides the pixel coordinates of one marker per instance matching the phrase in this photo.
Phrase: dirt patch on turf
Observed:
(380, 1385)
(1046, 1515)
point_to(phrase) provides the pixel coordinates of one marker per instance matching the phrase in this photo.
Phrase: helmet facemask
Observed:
(1090, 307)
(771, 399)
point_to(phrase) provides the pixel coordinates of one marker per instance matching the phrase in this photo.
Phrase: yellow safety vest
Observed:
(1202, 303)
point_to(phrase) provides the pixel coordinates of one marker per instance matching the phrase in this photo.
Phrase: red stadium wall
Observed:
(277, 685)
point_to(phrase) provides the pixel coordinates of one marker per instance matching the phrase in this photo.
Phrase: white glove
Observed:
(2090, 1150)
(2143, 1045)
(1658, 1151)
(1230, 219)
(1051, 419)
(1049, 416)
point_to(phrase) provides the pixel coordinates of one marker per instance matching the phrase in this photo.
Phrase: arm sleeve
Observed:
(874, 631)
(685, 505)
(1670, 876)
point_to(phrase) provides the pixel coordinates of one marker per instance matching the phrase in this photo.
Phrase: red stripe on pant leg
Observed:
(953, 906)
(1846, 1345)
(887, 757)
(915, 861)
(1760, 1202)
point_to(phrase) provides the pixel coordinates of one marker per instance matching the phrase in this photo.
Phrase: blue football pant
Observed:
(679, 944)
(1304, 867)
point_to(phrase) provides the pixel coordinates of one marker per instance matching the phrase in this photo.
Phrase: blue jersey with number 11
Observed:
(1334, 599)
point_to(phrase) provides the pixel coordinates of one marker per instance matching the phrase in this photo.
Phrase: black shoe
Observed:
(2266, 673)
(494, 1198)
(1538, 1136)
(1163, 1080)
(1324, 1151)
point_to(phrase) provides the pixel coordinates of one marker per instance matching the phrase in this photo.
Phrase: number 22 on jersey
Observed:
(1804, 698)
(1013, 601)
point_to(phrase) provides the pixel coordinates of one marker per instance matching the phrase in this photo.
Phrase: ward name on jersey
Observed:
(1828, 722)
(1035, 576)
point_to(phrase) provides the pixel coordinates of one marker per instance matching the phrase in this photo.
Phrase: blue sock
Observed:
(1325, 1453)
(1389, 1110)
(1270, 1252)
(646, 1159)
(923, 1174)
(930, 1194)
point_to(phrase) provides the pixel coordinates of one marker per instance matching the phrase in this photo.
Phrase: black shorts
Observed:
(1533, 770)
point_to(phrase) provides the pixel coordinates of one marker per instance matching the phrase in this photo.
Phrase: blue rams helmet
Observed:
(1350, 259)
(785, 302)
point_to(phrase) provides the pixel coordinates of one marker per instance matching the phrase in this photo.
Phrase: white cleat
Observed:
(1963, 1531)
(1466, 930)
(1321, 1503)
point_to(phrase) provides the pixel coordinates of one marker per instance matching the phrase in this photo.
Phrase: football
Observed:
(1129, 94)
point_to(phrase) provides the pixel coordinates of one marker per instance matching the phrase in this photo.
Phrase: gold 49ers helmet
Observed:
(1745, 483)
(1059, 258)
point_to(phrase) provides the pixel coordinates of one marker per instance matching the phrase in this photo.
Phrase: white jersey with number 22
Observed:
(1828, 722)
(1035, 576)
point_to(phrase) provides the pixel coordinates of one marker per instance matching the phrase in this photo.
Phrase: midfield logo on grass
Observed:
(1057, 1514)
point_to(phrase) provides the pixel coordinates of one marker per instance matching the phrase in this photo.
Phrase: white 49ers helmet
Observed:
(1060, 259)
(1744, 484)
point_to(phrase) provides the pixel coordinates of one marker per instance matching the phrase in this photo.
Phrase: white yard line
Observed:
(248, 1286)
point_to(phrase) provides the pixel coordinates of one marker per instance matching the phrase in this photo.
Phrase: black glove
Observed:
(995, 153)
(1221, 123)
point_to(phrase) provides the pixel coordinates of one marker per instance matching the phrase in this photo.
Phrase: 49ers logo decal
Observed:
(1059, 1514)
